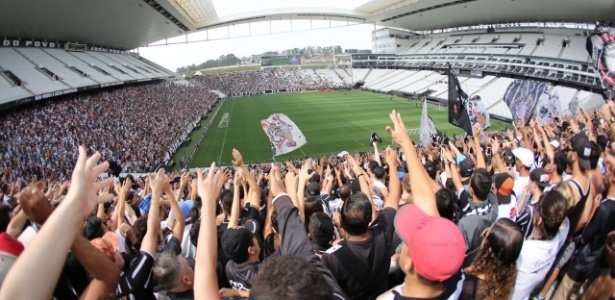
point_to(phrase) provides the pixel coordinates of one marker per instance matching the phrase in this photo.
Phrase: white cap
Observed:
(526, 156)
(554, 143)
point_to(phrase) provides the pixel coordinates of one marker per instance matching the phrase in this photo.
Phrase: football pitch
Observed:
(331, 122)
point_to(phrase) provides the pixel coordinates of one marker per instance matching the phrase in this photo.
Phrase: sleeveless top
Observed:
(574, 213)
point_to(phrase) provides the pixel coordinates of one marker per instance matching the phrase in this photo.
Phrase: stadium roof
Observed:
(128, 24)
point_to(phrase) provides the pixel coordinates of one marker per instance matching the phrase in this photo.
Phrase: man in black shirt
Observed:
(243, 251)
(361, 263)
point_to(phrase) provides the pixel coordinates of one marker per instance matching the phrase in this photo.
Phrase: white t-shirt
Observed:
(188, 249)
(520, 184)
(504, 210)
(28, 235)
(376, 194)
(535, 260)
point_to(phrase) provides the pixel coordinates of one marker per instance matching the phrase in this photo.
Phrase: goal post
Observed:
(224, 120)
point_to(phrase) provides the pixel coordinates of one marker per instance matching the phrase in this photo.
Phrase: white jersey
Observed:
(535, 260)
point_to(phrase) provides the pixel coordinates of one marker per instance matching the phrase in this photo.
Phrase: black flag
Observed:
(457, 113)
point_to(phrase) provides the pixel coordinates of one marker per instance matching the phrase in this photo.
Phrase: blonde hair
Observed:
(566, 191)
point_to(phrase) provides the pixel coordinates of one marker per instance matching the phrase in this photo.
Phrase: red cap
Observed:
(435, 244)
(10, 245)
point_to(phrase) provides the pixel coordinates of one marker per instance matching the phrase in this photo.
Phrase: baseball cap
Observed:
(435, 243)
(540, 177)
(235, 243)
(10, 249)
(313, 189)
(466, 168)
(185, 207)
(526, 156)
(504, 186)
(582, 147)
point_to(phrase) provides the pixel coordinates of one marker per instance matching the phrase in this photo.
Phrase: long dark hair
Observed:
(497, 257)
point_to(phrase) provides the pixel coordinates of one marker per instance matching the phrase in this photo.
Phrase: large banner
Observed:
(457, 98)
(522, 96)
(601, 48)
(284, 135)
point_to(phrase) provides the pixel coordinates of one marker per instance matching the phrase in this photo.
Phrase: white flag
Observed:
(283, 134)
(548, 108)
(428, 129)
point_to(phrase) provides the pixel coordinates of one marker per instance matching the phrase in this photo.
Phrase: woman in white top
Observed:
(540, 250)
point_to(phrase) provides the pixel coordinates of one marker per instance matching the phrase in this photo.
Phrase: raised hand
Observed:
(398, 133)
(495, 146)
(35, 204)
(237, 181)
(476, 129)
(223, 177)
(304, 176)
(237, 158)
(125, 188)
(209, 186)
(390, 157)
(159, 183)
(275, 180)
(83, 190)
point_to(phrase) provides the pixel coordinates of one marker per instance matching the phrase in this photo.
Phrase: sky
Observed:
(174, 56)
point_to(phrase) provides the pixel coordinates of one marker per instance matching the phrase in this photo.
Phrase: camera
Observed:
(375, 138)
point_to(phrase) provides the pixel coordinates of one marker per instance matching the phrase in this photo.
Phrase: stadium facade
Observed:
(59, 47)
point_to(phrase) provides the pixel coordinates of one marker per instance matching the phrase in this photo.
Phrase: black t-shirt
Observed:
(187, 295)
(241, 276)
(72, 281)
(173, 245)
(351, 266)
(136, 278)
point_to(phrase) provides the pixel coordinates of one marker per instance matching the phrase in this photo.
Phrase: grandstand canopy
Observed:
(128, 24)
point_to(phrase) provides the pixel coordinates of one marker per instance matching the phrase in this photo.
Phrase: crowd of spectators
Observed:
(135, 126)
(527, 213)
(270, 80)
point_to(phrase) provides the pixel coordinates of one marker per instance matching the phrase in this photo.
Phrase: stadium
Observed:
(504, 150)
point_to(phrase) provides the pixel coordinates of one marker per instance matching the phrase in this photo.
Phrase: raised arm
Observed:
(392, 200)
(304, 177)
(423, 195)
(360, 175)
(480, 158)
(547, 145)
(105, 273)
(236, 207)
(121, 202)
(497, 157)
(180, 220)
(254, 196)
(16, 224)
(454, 174)
(183, 183)
(205, 278)
(47, 252)
(150, 240)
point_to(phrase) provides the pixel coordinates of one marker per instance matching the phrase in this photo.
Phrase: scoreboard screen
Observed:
(280, 60)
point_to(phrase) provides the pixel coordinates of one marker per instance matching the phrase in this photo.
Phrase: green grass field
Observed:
(331, 122)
